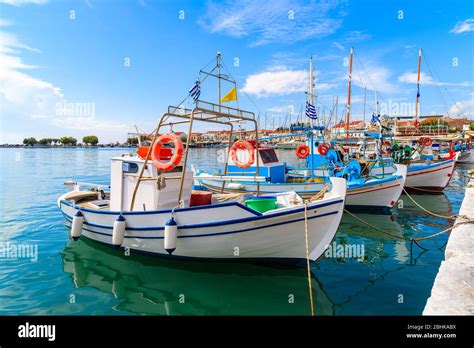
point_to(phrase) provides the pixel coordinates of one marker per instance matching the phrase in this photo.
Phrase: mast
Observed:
(348, 114)
(376, 104)
(418, 85)
(365, 102)
(219, 78)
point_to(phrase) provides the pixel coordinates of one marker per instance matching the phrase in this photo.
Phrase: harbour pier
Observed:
(453, 288)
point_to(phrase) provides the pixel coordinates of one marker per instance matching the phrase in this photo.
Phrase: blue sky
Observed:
(102, 66)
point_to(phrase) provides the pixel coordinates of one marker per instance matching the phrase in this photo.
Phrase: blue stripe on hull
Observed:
(69, 219)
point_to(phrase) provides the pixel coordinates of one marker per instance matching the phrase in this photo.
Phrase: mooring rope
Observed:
(412, 240)
(308, 264)
(450, 217)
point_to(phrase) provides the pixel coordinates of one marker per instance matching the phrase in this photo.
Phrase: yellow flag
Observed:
(231, 95)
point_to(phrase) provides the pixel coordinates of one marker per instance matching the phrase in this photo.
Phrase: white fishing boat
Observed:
(148, 206)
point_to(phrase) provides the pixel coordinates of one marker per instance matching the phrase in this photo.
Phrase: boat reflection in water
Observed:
(147, 285)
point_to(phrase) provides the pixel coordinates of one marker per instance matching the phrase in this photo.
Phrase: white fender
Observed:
(171, 235)
(77, 223)
(118, 231)
(235, 186)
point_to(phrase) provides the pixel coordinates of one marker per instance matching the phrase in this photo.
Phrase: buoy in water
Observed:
(118, 231)
(171, 235)
(76, 228)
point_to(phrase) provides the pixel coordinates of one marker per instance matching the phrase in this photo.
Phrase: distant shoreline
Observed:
(17, 146)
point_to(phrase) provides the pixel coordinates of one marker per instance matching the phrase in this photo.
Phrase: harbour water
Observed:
(381, 277)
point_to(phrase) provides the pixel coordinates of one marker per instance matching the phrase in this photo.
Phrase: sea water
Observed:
(43, 272)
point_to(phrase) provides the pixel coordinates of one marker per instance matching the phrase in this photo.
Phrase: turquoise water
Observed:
(83, 278)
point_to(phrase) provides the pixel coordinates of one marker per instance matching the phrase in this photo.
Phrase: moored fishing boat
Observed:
(149, 204)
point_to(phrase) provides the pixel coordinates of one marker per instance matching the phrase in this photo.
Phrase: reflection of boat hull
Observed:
(233, 229)
(433, 176)
(465, 157)
(143, 286)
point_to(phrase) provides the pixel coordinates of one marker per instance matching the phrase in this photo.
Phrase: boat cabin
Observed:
(156, 191)
(268, 163)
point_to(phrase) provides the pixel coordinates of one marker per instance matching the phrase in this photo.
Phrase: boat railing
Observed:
(428, 130)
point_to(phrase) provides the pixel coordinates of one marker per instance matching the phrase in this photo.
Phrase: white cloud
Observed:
(278, 21)
(33, 98)
(20, 92)
(411, 77)
(463, 108)
(280, 81)
(374, 77)
(23, 2)
(464, 26)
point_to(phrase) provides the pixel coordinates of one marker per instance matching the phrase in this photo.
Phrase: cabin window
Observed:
(128, 167)
(268, 156)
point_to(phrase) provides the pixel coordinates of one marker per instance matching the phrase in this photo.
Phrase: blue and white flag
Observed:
(375, 120)
(311, 111)
(195, 91)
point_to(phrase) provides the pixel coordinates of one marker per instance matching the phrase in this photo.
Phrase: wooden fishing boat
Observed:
(148, 206)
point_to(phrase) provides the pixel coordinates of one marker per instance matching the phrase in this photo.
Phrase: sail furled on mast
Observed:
(195, 90)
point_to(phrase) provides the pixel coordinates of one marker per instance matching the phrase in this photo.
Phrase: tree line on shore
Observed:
(88, 139)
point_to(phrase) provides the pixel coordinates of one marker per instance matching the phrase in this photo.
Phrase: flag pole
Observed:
(348, 114)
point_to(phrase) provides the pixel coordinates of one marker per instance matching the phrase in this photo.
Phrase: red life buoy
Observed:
(244, 146)
(177, 155)
(452, 154)
(426, 141)
(386, 146)
(302, 151)
(323, 149)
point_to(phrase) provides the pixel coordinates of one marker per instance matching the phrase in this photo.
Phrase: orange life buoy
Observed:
(323, 149)
(242, 145)
(302, 151)
(426, 141)
(177, 155)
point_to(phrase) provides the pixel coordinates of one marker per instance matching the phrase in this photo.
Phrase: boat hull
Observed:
(382, 193)
(231, 230)
(430, 177)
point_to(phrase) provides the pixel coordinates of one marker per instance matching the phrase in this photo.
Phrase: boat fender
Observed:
(118, 231)
(235, 186)
(171, 235)
(77, 223)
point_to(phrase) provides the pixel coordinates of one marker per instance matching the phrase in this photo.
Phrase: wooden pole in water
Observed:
(348, 114)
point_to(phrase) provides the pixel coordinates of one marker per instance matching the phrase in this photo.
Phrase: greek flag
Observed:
(311, 111)
(195, 91)
(375, 120)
